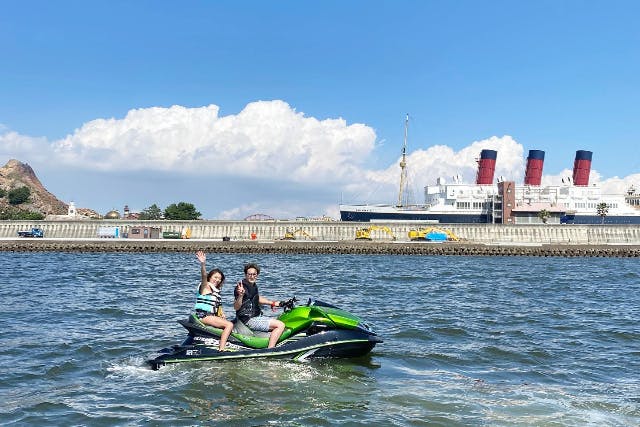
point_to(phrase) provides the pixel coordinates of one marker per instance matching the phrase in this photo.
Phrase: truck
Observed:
(108, 232)
(34, 232)
(171, 235)
(184, 234)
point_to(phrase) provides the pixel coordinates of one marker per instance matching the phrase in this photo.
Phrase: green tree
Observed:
(544, 215)
(15, 213)
(30, 216)
(603, 210)
(181, 211)
(20, 195)
(151, 213)
(3, 192)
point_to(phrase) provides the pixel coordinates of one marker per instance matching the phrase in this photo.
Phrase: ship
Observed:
(575, 201)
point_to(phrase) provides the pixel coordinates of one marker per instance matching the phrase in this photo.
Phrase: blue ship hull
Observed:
(476, 219)
(594, 219)
(413, 216)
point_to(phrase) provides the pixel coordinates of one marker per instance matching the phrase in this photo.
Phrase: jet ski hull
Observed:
(339, 343)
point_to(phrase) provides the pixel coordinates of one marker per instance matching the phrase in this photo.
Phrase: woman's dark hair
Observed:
(216, 270)
(251, 265)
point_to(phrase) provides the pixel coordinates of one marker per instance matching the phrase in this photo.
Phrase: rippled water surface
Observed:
(468, 341)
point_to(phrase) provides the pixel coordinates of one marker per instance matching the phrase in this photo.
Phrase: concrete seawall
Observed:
(330, 238)
(345, 231)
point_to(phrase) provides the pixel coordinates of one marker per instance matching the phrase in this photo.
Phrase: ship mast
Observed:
(403, 163)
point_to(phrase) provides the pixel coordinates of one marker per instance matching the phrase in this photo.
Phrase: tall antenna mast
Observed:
(403, 163)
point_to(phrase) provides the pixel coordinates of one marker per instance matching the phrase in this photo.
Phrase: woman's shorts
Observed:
(260, 323)
(202, 314)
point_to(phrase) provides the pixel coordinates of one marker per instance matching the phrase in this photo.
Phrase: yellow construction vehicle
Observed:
(365, 233)
(291, 235)
(186, 234)
(432, 234)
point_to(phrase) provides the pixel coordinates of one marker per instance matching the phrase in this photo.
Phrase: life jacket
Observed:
(250, 302)
(209, 302)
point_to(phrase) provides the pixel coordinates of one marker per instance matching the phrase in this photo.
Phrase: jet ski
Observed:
(314, 330)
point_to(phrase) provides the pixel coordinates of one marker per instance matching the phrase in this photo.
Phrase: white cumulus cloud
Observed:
(266, 139)
(16, 146)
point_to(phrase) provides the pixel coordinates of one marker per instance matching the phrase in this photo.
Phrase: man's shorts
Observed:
(260, 323)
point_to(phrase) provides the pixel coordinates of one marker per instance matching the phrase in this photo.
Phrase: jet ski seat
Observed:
(240, 328)
(241, 332)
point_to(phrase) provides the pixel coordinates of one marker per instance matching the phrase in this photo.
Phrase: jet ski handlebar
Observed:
(288, 304)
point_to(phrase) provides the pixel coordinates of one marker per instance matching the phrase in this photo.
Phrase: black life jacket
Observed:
(250, 302)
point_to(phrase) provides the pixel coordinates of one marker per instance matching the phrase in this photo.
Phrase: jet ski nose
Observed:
(367, 329)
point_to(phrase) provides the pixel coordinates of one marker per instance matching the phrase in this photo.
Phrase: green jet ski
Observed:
(314, 330)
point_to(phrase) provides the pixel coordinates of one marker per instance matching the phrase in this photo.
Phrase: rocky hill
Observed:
(16, 174)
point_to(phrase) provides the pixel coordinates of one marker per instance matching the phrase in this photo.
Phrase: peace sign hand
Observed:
(240, 288)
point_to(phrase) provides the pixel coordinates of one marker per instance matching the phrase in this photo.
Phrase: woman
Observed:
(209, 303)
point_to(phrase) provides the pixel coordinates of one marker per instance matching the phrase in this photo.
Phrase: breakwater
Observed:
(344, 247)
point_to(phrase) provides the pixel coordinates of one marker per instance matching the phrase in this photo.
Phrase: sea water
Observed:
(474, 341)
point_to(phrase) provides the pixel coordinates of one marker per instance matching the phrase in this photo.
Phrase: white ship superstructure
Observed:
(573, 202)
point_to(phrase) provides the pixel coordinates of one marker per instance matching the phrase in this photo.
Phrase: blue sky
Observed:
(286, 108)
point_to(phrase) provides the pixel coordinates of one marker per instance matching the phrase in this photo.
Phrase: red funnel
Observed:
(486, 167)
(533, 173)
(582, 168)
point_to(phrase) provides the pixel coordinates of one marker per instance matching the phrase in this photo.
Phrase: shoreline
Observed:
(317, 247)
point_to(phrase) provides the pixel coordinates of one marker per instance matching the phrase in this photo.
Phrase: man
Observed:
(247, 305)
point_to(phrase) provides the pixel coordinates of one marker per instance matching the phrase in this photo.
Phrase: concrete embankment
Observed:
(331, 237)
(344, 247)
(552, 234)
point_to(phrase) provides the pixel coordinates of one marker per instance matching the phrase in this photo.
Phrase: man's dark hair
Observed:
(251, 265)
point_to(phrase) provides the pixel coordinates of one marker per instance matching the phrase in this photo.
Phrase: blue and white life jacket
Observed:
(209, 302)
